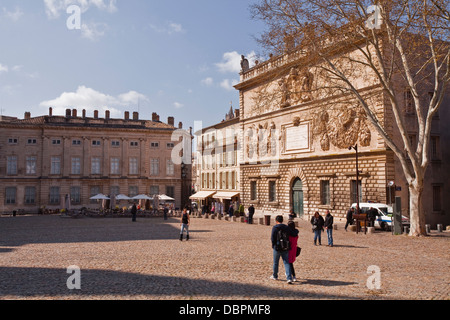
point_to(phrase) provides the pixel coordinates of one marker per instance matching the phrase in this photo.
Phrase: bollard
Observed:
(428, 228)
(335, 227)
(439, 227)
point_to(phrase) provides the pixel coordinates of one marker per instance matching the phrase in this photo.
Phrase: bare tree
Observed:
(398, 43)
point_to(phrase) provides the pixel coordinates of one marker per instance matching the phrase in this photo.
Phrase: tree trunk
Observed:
(416, 212)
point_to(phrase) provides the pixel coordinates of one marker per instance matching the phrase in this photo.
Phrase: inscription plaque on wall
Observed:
(297, 138)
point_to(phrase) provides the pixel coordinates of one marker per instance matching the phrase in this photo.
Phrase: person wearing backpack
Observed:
(281, 246)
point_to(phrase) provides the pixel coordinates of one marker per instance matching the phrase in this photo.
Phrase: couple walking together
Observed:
(284, 244)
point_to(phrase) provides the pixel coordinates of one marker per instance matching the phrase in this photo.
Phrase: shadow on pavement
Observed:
(46, 282)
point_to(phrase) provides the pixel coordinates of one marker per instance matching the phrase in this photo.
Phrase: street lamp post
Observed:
(357, 177)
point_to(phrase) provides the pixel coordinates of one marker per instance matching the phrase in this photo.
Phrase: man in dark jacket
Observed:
(329, 227)
(349, 217)
(284, 254)
(251, 212)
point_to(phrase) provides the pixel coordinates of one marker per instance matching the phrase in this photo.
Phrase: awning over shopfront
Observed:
(226, 195)
(202, 195)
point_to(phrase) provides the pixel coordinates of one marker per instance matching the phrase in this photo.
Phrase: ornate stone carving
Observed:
(345, 127)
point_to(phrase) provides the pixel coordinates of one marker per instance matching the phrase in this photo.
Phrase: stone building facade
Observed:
(218, 171)
(298, 144)
(47, 159)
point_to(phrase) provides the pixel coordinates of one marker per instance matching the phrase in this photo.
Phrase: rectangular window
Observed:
(154, 144)
(114, 191)
(75, 195)
(437, 198)
(10, 195)
(434, 148)
(11, 165)
(54, 195)
(96, 143)
(31, 165)
(55, 166)
(353, 191)
(134, 144)
(154, 190)
(115, 143)
(170, 168)
(409, 102)
(30, 195)
(56, 141)
(133, 191)
(76, 166)
(325, 192)
(253, 190)
(170, 191)
(32, 141)
(170, 145)
(154, 167)
(76, 142)
(272, 191)
(115, 166)
(96, 166)
(13, 141)
(95, 190)
(133, 166)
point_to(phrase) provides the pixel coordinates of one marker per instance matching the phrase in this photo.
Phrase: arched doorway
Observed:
(297, 197)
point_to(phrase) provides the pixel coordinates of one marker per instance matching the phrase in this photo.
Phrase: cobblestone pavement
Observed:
(223, 260)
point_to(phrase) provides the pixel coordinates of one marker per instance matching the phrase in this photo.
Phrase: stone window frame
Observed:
(331, 178)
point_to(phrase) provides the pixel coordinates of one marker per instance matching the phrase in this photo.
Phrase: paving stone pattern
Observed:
(224, 260)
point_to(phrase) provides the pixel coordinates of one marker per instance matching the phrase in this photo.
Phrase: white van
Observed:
(385, 214)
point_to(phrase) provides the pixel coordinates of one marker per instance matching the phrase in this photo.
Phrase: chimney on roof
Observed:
(27, 115)
(68, 113)
(171, 121)
(50, 112)
(107, 114)
(96, 114)
(180, 125)
(155, 117)
(127, 115)
(74, 113)
(84, 113)
(135, 116)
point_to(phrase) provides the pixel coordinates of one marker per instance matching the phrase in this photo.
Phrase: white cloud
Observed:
(207, 81)
(169, 28)
(90, 99)
(228, 84)
(3, 68)
(231, 61)
(93, 31)
(13, 15)
(54, 8)
(178, 105)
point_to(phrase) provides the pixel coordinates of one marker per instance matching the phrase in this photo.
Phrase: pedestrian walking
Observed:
(292, 215)
(231, 210)
(165, 212)
(251, 212)
(349, 217)
(372, 216)
(280, 245)
(133, 212)
(317, 227)
(328, 224)
(185, 222)
(293, 240)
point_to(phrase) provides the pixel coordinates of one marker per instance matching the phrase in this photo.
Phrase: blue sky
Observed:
(175, 57)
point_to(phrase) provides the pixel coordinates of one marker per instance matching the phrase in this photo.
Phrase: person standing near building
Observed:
(293, 251)
(251, 212)
(185, 222)
(317, 227)
(329, 227)
(280, 250)
(349, 217)
(133, 212)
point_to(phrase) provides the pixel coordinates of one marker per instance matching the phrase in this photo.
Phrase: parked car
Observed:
(385, 214)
